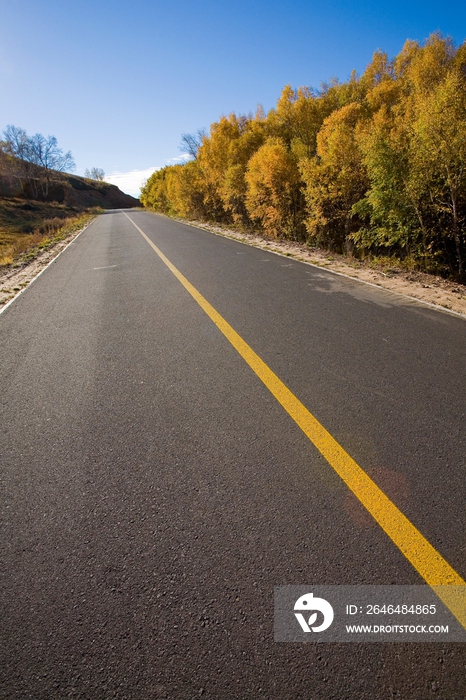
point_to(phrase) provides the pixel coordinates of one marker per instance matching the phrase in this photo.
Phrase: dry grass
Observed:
(10, 251)
(28, 228)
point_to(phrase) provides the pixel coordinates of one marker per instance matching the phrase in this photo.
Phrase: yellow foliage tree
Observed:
(377, 162)
(335, 179)
(439, 157)
(214, 160)
(185, 191)
(274, 197)
(233, 188)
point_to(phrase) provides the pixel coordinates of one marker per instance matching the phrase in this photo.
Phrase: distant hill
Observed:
(80, 191)
(72, 191)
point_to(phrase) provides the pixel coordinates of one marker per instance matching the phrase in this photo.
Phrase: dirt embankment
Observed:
(67, 190)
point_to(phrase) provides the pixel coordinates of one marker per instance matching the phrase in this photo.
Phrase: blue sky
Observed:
(118, 82)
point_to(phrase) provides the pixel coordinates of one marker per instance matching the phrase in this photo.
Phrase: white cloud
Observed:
(180, 159)
(130, 182)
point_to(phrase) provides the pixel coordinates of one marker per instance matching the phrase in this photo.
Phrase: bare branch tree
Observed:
(191, 143)
(16, 142)
(97, 174)
(39, 156)
(18, 147)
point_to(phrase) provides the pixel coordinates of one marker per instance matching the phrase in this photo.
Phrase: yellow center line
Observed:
(443, 579)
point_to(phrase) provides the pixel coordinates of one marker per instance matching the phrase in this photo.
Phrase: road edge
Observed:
(55, 257)
(205, 227)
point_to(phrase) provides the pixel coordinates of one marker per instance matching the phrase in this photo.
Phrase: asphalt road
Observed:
(154, 491)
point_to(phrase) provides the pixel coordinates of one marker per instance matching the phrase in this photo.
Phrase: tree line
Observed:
(375, 166)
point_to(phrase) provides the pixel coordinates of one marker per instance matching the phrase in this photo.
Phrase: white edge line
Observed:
(437, 307)
(4, 308)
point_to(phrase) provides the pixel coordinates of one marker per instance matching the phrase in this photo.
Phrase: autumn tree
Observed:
(415, 201)
(154, 192)
(336, 179)
(186, 191)
(176, 190)
(213, 160)
(373, 165)
(274, 197)
(233, 187)
(298, 117)
(439, 159)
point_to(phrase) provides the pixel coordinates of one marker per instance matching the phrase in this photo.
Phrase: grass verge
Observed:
(27, 229)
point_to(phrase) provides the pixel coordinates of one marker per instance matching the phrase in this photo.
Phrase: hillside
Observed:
(71, 191)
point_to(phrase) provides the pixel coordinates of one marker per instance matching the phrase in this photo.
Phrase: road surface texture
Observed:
(155, 491)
